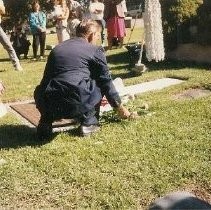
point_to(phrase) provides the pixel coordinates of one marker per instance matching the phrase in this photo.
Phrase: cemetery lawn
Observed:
(124, 166)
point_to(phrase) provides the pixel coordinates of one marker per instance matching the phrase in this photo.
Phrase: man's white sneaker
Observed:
(88, 130)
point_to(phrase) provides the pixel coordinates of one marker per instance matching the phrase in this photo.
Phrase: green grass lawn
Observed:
(126, 165)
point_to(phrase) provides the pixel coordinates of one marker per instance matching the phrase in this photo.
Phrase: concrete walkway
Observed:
(145, 86)
(149, 86)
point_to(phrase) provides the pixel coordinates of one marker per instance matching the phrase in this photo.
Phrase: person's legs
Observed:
(102, 23)
(89, 122)
(89, 118)
(59, 35)
(65, 34)
(97, 110)
(121, 31)
(110, 44)
(42, 38)
(62, 34)
(35, 44)
(4, 40)
(111, 31)
(121, 41)
(44, 128)
(17, 51)
(26, 49)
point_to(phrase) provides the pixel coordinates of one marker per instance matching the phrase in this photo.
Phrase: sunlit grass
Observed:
(124, 166)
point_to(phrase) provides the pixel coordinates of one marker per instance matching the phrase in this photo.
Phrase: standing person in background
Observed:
(75, 16)
(61, 13)
(4, 40)
(114, 16)
(37, 21)
(96, 9)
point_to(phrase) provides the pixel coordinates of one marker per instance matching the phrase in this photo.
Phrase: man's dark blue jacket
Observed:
(75, 79)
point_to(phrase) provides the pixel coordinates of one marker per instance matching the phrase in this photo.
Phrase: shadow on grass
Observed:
(121, 62)
(4, 59)
(120, 67)
(125, 75)
(75, 132)
(16, 136)
(107, 118)
(124, 58)
(175, 65)
(118, 58)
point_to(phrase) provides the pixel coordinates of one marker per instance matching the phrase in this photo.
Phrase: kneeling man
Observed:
(75, 79)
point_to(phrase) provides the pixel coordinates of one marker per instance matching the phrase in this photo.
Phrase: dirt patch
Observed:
(192, 94)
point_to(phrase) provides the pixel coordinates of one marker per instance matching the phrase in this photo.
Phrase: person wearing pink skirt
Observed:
(114, 16)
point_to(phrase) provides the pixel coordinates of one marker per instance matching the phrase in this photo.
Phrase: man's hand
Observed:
(1, 88)
(123, 112)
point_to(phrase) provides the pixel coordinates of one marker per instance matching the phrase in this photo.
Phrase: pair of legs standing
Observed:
(115, 29)
(62, 34)
(102, 23)
(4, 40)
(39, 40)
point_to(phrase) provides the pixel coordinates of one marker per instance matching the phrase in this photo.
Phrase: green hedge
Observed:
(178, 16)
(204, 23)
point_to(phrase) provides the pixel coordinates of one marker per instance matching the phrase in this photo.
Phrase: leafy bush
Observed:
(204, 23)
(17, 12)
(178, 15)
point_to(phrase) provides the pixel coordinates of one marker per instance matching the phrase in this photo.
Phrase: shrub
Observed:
(178, 15)
(204, 23)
